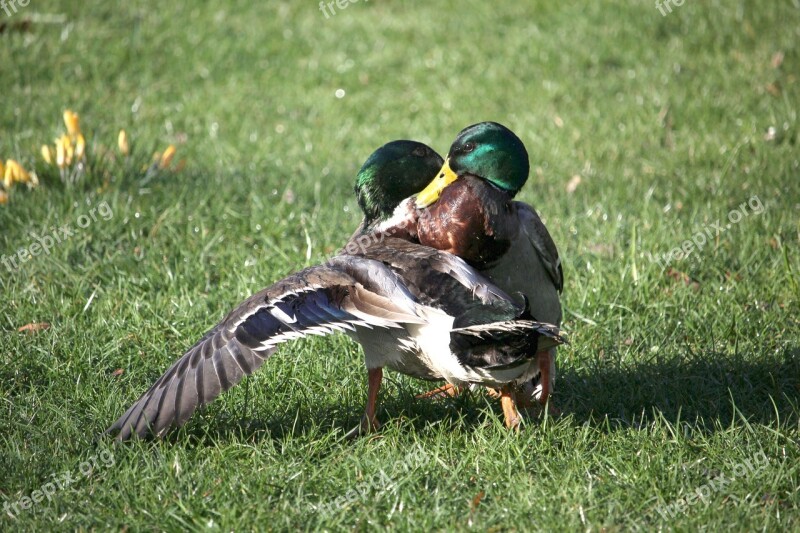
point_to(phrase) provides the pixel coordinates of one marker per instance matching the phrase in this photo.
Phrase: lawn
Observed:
(679, 392)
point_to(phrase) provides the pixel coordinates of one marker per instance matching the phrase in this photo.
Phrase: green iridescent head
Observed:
(392, 173)
(487, 150)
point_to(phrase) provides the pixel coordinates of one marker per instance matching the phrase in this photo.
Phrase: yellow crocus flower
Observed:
(72, 122)
(80, 146)
(166, 157)
(68, 149)
(8, 175)
(3, 197)
(61, 154)
(20, 174)
(47, 154)
(122, 142)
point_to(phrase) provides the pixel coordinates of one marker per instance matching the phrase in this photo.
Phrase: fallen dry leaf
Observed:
(773, 88)
(476, 501)
(683, 277)
(33, 327)
(731, 276)
(777, 59)
(118, 372)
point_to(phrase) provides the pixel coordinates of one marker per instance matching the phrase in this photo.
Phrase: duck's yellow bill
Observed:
(431, 193)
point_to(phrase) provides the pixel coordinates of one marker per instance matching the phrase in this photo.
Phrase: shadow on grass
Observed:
(706, 391)
(333, 417)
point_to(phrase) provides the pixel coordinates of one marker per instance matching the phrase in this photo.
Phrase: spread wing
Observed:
(443, 280)
(315, 301)
(540, 239)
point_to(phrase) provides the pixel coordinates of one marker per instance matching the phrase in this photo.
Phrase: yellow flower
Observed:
(80, 146)
(61, 154)
(22, 174)
(166, 157)
(8, 175)
(72, 121)
(122, 142)
(15, 172)
(68, 149)
(3, 198)
(47, 154)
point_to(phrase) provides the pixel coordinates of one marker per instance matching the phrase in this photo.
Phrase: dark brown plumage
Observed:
(470, 220)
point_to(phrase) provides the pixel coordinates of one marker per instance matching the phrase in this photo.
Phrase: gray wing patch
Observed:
(542, 242)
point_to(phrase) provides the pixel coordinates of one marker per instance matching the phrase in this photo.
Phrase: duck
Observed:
(414, 309)
(469, 210)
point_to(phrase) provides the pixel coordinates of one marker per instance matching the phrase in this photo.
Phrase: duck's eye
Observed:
(468, 147)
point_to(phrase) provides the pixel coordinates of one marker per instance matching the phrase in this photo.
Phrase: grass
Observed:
(674, 377)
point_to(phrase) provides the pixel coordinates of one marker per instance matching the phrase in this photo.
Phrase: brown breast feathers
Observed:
(472, 219)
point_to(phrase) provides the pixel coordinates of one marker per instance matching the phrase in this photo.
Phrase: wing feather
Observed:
(318, 301)
(444, 281)
(542, 242)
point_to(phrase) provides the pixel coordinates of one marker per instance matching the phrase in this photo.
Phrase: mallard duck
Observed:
(390, 177)
(469, 210)
(414, 309)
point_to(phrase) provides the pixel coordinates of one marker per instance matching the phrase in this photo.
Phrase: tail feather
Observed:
(503, 344)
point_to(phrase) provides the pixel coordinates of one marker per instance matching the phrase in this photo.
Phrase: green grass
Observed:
(665, 387)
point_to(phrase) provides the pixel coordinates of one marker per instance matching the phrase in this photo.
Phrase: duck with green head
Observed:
(414, 309)
(471, 212)
(386, 183)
